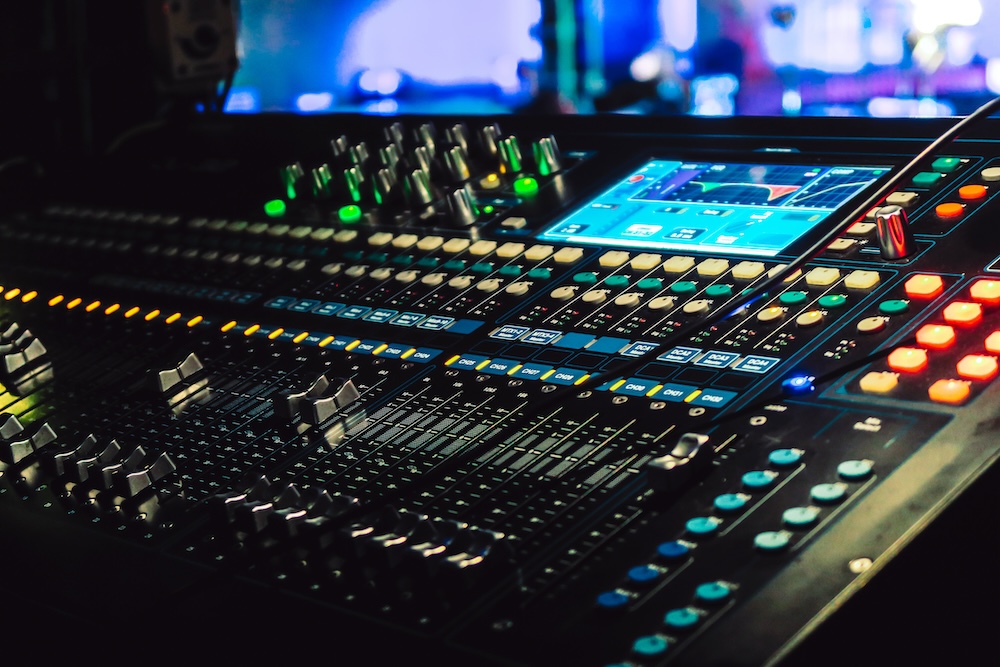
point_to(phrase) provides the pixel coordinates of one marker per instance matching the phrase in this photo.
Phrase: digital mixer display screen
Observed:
(744, 209)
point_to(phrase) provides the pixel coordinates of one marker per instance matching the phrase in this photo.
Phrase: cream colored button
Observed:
(861, 279)
(771, 314)
(297, 264)
(460, 282)
(678, 264)
(381, 273)
(231, 258)
(861, 228)
(430, 243)
(300, 232)
(780, 267)
(407, 276)
(628, 299)
(713, 267)
(613, 258)
(482, 247)
(568, 255)
(822, 276)
(379, 239)
(252, 260)
(434, 279)
(536, 253)
(508, 250)
(697, 307)
(455, 245)
(520, 288)
(904, 199)
(645, 261)
(356, 271)
(563, 293)
(841, 245)
(257, 228)
(514, 222)
(489, 285)
(877, 382)
(594, 296)
(345, 235)
(871, 325)
(990, 174)
(405, 241)
(809, 318)
(747, 270)
(275, 231)
(321, 234)
(662, 302)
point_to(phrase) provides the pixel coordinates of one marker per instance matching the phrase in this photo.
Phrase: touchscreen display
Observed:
(744, 209)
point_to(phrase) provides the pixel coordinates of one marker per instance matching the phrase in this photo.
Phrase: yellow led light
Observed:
(655, 389)
(453, 360)
(274, 334)
(326, 341)
(582, 379)
(152, 315)
(251, 330)
(112, 308)
(515, 369)
(547, 374)
(195, 321)
(693, 396)
(173, 318)
(301, 337)
(29, 296)
(228, 326)
(483, 364)
(74, 303)
(10, 294)
(409, 353)
(618, 384)
(56, 300)
(380, 349)
(352, 345)
(92, 306)
(132, 312)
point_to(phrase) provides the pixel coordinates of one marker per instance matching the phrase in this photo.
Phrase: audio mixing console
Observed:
(501, 391)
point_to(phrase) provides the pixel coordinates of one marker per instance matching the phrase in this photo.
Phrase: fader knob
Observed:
(547, 156)
(489, 138)
(418, 188)
(457, 164)
(461, 207)
(510, 154)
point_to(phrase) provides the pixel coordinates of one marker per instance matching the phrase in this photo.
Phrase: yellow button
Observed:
(809, 318)
(949, 209)
(937, 336)
(568, 255)
(404, 241)
(861, 279)
(613, 258)
(923, 286)
(713, 267)
(908, 359)
(678, 264)
(430, 243)
(822, 276)
(511, 249)
(978, 367)
(536, 253)
(455, 245)
(974, 191)
(482, 247)
(963, 312)
(986, 291)
(645, 261)
(841, 245)
(877, 382)
(747, 270)
(993, 342)
(770, 314)
(949, 391)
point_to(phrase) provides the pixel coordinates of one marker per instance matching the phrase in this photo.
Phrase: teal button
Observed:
(828, 493)
(800, 517)
(759, 479)
(712, 591)
(719, 291)
(893, 307)
(684, 287)
(585, 278)
(855, 469)
(785, 457)
(772, 540)
(702, 525)
(650, 284)
(510, 271)
(540, 274)
(832, 301)
(644, 574)
(946, 165)
(377, 257)
(793, 298)
(926, 179)
(402, 260)
(617, 281)
(681, 619)
(427, 262)
(454, 265)
(730, 502)
(481, 267)
(650, 645)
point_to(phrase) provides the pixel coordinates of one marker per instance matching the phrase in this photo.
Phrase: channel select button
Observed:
(924, 286)
(963, 313)
(986, 291)
(879, 382)
(635, 387)
(978, 367)
(755, 364)
(949, 391)
(674, 393)
(715, 398)
(565, 376)
(680, 355)
(936, 336)
(908, 359)
(715, 359)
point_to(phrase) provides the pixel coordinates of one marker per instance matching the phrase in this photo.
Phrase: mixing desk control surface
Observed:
(513, 391)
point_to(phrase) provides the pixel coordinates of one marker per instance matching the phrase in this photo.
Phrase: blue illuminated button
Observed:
(423, 354)
(712, 591)
(785, 457)
(531, 371)
(380, 315)
(329, 308)
(674, 393)
(855, 470)
(755, 364)
(467, 362)
(499, 366)
(800, 517)
(772, 540)
(565, 376)
(702, 525)
(635, 387)
(436, 322)
(715, 359)
(650, 646)
(731, 502)
(280, 302)
(608, 345)
(367, 346)
(680, 355)
(681, 619)
(394, 351)
(545, 337)
(639, 349)
(612, 600)
(463, 327)
(828, 493)
(304, 306)
(644, 574)
(354, 312)
(509, 332)
(574, 341)
(713, 398)
(406, 319)
(798, 384)
(759, 479)
(672, 550)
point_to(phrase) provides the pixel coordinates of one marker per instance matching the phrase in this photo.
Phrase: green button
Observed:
(926, 179)
(649, 646)
(275, 208)
(427, 262)
(585, 278)
(719, 291)
(540, 274)
(402, 260)
(792, 298)
(617, 281)
(525, 186)
(349, 214)
(684, 287)
(377, 257)
(946, 164)
(682, 618)
(650, 284)
(893, 307)
(481, 267)
(354, 255)
(832, 301)
(454, 265)
(510, 270)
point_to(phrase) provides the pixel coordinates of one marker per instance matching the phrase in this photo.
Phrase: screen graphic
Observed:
(746, 209)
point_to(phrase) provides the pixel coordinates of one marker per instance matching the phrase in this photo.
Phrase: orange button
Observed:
(986, 291)
(978, 367)
(949, 209)
(923, 286)
(963, 312)
(908, 359)
(972, 192)
(949, 391)
(993, 342)
(937, 336)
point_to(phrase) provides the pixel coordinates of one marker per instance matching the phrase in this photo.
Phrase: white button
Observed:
(822, 276)
(861, 228)
(321, 234)
(747, 270)
(508, 250)
(903, 199)
(434, 279)
(332, 269)
(489, 285)
(520, 288)
(379, 239)
(430, 243)
(345, 235)
(356, 271)
(404, 241)
(563, 293)
(678, 264)
(568, 255)
(460, 282)
(613, 258)
(713, 267)
(514, 222)
(538, 252)
(455, 245)
(594, 296)
(990, 174)
(482, 247)
(628, 299)
(645, 261)
(662, 302)
(697, 307)
(381, 273)
(861, 279)
(841, 245)
(407, 276)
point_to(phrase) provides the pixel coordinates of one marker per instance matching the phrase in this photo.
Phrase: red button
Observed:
(908, 359)
(949, 391)
(978, 367)
(937, 336)
(923, 286)
(963, 313)
(968, 192)
(986, 291)
(949, 209)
